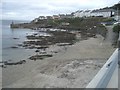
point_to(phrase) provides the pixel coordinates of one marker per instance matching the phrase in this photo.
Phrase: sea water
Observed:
(8, 41)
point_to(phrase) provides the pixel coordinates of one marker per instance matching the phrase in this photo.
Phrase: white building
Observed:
(117, 18)
(88, 13)
(35, 20)
(78, 13)
(103, 13)
(56, 17)
(117, 15)
(82, 13)
(41, 17)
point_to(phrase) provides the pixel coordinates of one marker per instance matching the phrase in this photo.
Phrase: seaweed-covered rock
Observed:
(40, 56)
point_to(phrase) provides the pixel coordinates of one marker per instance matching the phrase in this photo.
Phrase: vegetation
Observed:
(75, 23)
(88, 24)
(116, 28)
(116, 6)
(108, 20)
(56, 37)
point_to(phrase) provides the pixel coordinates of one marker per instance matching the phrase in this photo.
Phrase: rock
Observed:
(15, 63)
(37, 51)
(15, 38)
(40, 56)
(42, 47)
(19, 44)
(3, 66)
(14, 47)
(31, 47)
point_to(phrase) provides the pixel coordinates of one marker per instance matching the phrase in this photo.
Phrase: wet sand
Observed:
(72, 67)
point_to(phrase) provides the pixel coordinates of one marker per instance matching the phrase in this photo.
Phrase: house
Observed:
(87, 13)
(117, 18)
(117, 15)
(103, 12)
(49, 17)
(41, 17)
(35, 20)
(82, 13)
(96, 13)
(69, 16)
(56, 17)
(62, 16)
(78, 13)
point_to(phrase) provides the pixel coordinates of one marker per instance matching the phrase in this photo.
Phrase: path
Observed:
(111, 36)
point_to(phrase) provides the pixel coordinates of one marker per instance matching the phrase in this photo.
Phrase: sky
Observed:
(30, 9)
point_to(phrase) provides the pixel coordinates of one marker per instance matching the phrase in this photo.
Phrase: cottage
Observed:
(35, 20)
(77, 13)
(62, 16)
(87, 13)
(56, 17)
(41, 17)
(82, 13)
(49, 17)
(117, 15)
(103, 12)
(98, 12)
(69, 16)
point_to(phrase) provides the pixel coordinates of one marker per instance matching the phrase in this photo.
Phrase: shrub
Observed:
(116, 28)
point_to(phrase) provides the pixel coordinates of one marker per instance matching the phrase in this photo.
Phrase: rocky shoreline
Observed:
(59, 37)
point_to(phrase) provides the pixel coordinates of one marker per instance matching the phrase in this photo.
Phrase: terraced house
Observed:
(95, 13)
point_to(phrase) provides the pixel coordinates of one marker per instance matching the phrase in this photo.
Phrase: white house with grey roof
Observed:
(41, 17)
(82, 13)
(117, 15)
(103, 12)
(100, 12)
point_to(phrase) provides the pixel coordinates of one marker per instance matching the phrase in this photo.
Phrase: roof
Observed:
(61, 14)
(55, 15)
(41, 16)
(104, 10)
(87, 11)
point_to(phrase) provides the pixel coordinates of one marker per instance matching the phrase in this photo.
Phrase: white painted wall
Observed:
(90, 13)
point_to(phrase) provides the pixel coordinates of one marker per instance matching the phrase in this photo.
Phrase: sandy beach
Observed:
(72, 67)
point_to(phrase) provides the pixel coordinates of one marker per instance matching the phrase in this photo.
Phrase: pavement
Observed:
(111, 36)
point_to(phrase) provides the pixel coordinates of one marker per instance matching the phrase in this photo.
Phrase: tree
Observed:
(116, 28)
(116, 6)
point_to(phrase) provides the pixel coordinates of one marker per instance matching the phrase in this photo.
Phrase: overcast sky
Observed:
(30, 9)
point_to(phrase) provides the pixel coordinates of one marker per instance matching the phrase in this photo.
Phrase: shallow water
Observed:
(8, 34)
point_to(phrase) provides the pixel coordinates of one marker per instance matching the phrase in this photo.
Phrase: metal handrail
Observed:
(103, 77)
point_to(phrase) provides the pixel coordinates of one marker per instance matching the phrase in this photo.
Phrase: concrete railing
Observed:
(103, 77)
